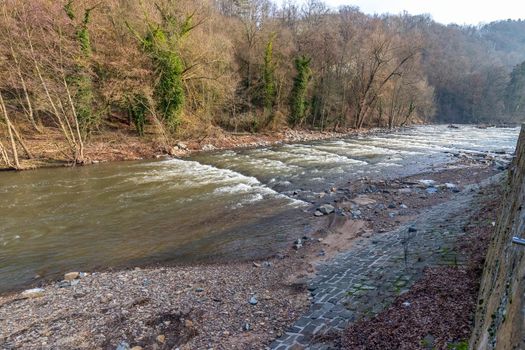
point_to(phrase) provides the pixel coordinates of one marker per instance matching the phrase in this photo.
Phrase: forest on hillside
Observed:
(182, 69)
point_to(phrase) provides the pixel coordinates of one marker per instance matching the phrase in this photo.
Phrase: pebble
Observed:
(253, 300)
(123, 346)
(246, 327)
(33, 293)
(326, 209)
(70, 276)
(161, 338)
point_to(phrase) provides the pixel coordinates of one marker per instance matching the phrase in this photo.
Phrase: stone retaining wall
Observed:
(500, 315)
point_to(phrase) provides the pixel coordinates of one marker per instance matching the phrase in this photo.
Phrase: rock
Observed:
(123, 346)
(137, 348)
(412, 230)
(427, 183)
(406, 304)
(208, 148)
(253, 300)
(33, 293)
(246, 327)
(450, 186)
(161, 338)
(402, 206)
(256, 264)
(199, 290)
(70, 276)
(74, 283)
(432, 190)
(326, 209)
(188, 324)
(64, 284)
(182, 146)
(392, 206)
(318, 213)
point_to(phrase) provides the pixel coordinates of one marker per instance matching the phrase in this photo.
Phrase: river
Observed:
(209, 207)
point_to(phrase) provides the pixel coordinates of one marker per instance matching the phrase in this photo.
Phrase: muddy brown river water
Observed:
(213, 206)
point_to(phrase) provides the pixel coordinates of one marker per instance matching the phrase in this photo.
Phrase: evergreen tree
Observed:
(298, 103)
(515, 92)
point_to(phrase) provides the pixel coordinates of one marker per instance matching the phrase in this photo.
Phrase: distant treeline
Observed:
(183, 67)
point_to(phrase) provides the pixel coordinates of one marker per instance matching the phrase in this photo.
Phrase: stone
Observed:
(137, 348)
(326, 209)
(188, 324)
(256, 264)
(253, 300)
(432, 190)
(182, 146)
(161, 338)
(318, 213)
(74, 283)
(123, 346)
(70, 276)
(402, 206)
(412, 229)
(246, 327)
(392, 206)
(209, 148)
(33, 293)
(427, 183)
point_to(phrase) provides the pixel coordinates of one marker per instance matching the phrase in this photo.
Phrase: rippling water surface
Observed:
(231, 204)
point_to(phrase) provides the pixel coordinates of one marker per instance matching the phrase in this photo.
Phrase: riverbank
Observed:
(238, 305)
(49, 149)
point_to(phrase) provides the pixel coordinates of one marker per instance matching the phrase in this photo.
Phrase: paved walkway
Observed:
(365, 280)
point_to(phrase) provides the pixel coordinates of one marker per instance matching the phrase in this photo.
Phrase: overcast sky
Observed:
(444, 11)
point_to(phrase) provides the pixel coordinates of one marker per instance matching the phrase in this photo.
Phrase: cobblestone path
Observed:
(365, 280)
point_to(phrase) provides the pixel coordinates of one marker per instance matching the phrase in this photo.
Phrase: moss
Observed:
(138, 108)
(462, 345)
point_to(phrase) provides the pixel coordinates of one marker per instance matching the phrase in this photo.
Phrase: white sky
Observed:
(444, 11)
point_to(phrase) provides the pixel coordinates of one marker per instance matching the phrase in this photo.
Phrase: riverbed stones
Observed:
(70, 276)
(326, 209)
(209, 148)
(33, 293)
